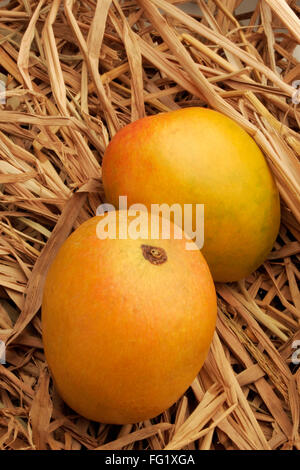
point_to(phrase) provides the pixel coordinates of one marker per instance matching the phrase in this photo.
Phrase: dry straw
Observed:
(75, 72)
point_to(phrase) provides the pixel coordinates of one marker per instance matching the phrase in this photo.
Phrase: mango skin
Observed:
(199, 156)
(124, 338)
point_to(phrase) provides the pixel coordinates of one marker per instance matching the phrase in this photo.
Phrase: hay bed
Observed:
(76, 72)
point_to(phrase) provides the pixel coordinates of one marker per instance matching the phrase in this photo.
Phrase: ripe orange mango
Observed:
(127, 323)
(199, 156)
